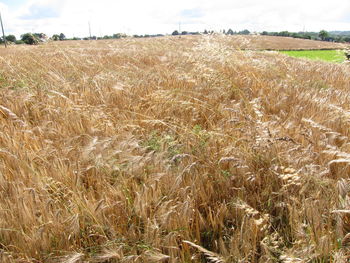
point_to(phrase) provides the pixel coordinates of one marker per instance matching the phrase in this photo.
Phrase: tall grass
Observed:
(160, 150)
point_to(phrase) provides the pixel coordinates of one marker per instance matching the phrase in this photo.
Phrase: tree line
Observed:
(323, 35)
(205, 32)
(36, 38)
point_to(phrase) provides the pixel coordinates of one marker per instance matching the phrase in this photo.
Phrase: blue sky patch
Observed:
(13, 3)
(192, 13)
(41, 12)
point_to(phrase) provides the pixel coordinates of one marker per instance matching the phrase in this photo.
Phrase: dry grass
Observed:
(123, 151)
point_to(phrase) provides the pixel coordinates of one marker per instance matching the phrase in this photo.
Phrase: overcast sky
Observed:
(161, 16)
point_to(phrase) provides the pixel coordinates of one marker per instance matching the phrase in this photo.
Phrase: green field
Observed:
(326, 55)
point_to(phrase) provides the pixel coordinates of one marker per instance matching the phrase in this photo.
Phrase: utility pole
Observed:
(180, 29)
(3, 32)
(90, 30)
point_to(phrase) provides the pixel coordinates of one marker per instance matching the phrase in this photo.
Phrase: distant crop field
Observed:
(171, 150)
(255, 42)
(326, 55)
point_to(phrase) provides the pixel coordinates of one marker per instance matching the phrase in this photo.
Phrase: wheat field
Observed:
(260, 42)
(172, 150)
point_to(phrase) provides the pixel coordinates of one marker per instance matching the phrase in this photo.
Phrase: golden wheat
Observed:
(118, 151)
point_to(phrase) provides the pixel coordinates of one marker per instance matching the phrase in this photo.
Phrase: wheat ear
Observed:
(210, 256)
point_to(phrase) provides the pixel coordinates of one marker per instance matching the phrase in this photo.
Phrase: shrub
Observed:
(29, 39)
(11, 38)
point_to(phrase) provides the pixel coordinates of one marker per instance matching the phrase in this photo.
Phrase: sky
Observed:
(107, 17)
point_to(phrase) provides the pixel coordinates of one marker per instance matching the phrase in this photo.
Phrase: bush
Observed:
(118, 35)
(11, 38)
(55, 37)
(62, 37)
(323, 34)
(244, 32)
(29, 39)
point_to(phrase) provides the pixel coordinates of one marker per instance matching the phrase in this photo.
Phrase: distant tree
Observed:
(323, 34)
(339, 39)
(224, 31)
(11, 38)
(306, 36)
(118, 35)
(55, 37)
(184, 33)
(40, 36)
(265, 33)
(62, 37)
(29, 39)
(205, 32)
(330, 39)
(230, 32)
(244, 32)
(284, 34)
(175, 33)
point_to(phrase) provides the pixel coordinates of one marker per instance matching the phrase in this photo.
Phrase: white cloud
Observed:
(159, 16)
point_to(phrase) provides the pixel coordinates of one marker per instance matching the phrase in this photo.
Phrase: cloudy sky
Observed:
(163, 16)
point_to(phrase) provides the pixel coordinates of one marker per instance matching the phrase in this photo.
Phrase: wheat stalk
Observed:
(210, 256)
